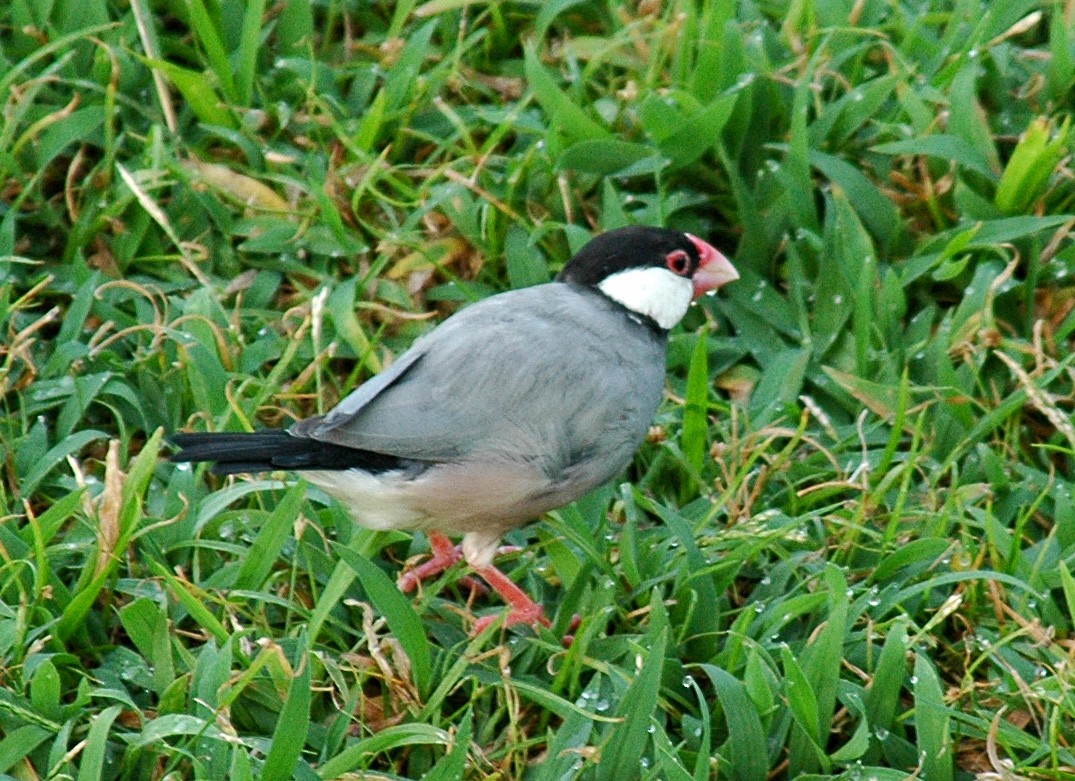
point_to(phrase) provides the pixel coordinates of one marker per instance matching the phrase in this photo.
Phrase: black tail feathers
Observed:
(272, 450)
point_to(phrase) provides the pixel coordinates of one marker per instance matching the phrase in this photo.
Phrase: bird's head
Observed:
(654, 272)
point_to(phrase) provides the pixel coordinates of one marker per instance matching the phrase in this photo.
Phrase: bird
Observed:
(514, 406)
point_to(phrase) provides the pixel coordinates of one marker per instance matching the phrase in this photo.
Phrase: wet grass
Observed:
(846, 550)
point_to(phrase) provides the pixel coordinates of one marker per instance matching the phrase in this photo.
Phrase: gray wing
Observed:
(552, 375)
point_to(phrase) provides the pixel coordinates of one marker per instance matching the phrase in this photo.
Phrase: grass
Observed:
(847, 550)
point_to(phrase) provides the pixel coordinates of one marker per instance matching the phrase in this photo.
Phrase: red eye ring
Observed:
(678, 262)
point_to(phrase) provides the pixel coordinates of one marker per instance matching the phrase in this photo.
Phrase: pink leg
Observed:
(523, 609)
(444, 555)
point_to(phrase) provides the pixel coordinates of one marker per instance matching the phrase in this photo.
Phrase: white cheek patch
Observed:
(654, 292)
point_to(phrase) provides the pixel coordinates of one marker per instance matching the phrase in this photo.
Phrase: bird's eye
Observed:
(678, 262)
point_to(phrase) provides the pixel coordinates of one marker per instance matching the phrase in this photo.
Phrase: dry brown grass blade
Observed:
(1041, 399)
(245, 189)
(159, 217)
(108, 508)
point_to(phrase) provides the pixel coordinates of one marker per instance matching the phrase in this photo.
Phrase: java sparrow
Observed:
(512, 407)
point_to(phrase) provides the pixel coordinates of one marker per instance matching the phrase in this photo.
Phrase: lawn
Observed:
(846, 549)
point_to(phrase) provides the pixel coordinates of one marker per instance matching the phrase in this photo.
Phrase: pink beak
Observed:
(714, 270)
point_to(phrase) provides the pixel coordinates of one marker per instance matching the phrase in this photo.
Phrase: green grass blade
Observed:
(621, 756)
(882, 697)
(249, 46)
(452, 765)
(968, 119)
(802, 702)
(1067, 583)
(203, 100)
(295, 25)
(748, 755)
(398, 612)
(608, 156)
(569, 119)
(92, 759)
(932, 722)
(942, 147)
(18, 743)
(208, 34)
(334, 591)
(1035, 158)
(194, 604)
(289, 736)
(70, 446)
(696, 409)
(548, 13)
(263, 553)
(387, 739)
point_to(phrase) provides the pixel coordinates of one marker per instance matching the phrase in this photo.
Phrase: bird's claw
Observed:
(530, 615)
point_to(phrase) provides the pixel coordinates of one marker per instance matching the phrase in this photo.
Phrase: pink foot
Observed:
(444, 556)
(524, 610)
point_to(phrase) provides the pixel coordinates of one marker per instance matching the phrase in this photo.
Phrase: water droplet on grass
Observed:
(744, 81)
